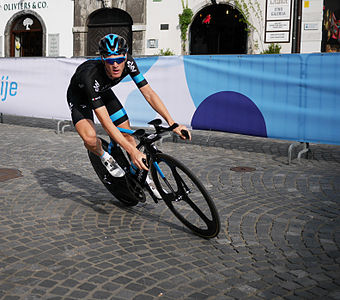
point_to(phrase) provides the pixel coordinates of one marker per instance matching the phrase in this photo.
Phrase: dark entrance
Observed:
(105, 21)
(217, 29)
(331, 26)
(26, 37)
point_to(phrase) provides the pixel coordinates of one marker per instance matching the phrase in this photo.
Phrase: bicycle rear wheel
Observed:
(186, 196)
(117, 186)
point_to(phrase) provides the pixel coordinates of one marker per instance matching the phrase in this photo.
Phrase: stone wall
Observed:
(83, 8)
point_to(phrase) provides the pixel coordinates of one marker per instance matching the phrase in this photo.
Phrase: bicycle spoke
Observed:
(182, 187)
(197, 210)
(186, 197)
(179, 181)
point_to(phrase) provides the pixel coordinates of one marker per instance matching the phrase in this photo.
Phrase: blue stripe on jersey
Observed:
(118, 114)
(138, 78)
(110, 147)
(96, 58)
(124, 130)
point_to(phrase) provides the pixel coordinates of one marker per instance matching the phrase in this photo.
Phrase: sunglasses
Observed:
(117, 60)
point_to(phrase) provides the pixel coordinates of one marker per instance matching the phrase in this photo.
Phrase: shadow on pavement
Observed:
(67, 185)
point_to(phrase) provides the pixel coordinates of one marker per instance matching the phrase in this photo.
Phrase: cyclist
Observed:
(90, 90)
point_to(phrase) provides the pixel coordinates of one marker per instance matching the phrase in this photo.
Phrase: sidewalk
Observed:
(63, 236)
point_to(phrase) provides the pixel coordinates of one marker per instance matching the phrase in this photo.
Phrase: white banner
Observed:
(36, 87)
(277, 96)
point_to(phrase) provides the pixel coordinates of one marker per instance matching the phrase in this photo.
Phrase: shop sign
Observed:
(22, 5)
(53, 44)
(277, 25)
(311, 26)
(278, 9)
(277, 37)
(278, 20)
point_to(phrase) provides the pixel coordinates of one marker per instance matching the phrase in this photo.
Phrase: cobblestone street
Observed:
(64, 236)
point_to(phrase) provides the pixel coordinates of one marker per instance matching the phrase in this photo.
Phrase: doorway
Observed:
(331, 26)
(217, 29)
(104, 21)
(26, 37)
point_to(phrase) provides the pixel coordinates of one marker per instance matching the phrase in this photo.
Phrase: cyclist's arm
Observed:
(104, 118)
(157, 104)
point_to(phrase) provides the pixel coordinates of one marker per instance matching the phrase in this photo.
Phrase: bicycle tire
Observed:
(196, 210)
(117, 186)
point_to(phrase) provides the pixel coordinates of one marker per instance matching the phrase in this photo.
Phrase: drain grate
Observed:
(7, 174)
(243, 169)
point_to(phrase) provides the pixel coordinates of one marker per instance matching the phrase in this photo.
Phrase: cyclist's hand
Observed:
(137, 158)
(179, 129)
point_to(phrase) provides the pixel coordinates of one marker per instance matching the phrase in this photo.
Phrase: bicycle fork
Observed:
(178, 197)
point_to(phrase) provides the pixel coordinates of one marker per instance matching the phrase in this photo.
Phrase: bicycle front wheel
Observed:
(186, 196)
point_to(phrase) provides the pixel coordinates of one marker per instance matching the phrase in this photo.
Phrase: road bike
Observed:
(179, 188)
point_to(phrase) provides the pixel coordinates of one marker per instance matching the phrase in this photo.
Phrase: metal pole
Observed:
(296, 40)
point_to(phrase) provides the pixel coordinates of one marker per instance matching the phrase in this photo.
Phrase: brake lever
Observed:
(160, 129)
(185, 133)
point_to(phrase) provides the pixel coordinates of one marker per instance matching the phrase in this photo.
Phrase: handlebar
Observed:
(185, 133)
(141, 134)
(160, 129)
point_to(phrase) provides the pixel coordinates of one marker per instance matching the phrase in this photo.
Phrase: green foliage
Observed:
(184, 21)
(166, 52)
(272, 49)
(248, 7)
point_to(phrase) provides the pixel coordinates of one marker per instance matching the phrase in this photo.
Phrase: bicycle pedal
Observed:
(143, 200)
(105, 179)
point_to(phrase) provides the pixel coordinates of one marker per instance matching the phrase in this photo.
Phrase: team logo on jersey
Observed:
(131, 66)
(96, 86)
(97, 98)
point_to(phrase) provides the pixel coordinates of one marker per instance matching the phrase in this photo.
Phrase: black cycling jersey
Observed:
(90, 80)
(90, 88)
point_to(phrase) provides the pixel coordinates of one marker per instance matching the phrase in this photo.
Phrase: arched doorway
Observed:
(26, 36)
(217, 29)
(104, 21)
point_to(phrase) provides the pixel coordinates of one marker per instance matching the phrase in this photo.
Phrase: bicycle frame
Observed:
(150, 151)
(147, 141)
(173, 180)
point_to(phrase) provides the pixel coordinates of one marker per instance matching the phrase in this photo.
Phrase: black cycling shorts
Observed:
(81, 111)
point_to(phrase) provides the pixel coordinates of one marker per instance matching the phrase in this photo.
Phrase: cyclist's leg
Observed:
(82, 118)
(130, 138)
(87, 132)
(83, 122)
(118, 114)
(120, 118)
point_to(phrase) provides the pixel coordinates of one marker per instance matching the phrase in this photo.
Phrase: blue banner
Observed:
(293, 96)
(289, 96)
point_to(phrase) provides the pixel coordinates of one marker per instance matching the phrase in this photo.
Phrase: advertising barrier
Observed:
(290, 96)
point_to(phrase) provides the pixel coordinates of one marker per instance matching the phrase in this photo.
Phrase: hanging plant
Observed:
(184, 21)
(248, 8)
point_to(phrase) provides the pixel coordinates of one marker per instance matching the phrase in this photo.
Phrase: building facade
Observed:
(36, 28)
(74, 27)
(95, 18)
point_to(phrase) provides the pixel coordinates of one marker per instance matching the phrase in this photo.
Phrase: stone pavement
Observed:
(63, 236)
